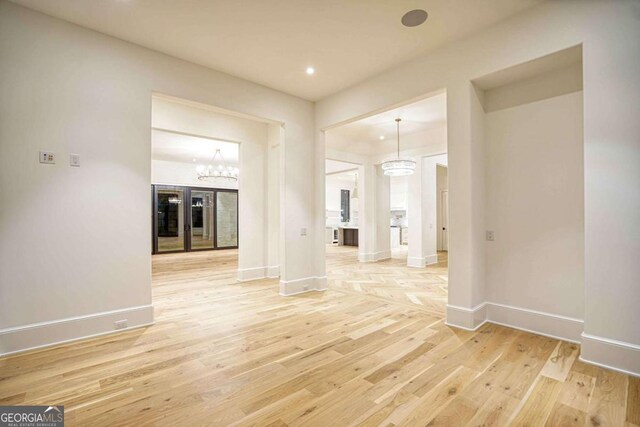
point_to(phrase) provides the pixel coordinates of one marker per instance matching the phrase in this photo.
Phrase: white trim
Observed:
(534, 332)
(45, 334)
(254, 273)
(469, 319)
(469, 310)
(602, 365)
(421, 262)
(299, 286)
(273, 271)
(534, 321)
(612, 354)
(465, 328)
(374, 256)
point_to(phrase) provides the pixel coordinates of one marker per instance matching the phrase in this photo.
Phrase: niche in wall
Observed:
(532, 129)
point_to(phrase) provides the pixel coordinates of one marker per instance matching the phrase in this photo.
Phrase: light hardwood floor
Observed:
(225, 353)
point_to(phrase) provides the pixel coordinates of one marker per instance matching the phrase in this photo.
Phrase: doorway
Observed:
(188, 219)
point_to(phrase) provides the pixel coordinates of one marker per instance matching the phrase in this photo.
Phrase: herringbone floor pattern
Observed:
(391, 280)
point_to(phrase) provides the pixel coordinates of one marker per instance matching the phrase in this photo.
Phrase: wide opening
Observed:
(194, 205)
(386, 204)
(215, 191)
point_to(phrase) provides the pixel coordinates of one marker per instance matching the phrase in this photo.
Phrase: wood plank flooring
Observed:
(227, 353)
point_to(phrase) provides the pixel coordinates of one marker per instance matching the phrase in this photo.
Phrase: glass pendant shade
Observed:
(398, 167)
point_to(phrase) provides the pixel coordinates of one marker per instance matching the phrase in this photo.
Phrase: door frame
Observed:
(187, 217)
(441, 231)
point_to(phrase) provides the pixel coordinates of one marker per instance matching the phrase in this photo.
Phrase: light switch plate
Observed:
(47, 157)
(74, 160)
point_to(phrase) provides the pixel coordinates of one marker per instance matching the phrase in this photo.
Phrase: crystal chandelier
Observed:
(218, 170)
(398, 167)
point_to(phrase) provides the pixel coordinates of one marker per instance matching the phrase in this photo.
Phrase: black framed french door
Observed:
(189, 219)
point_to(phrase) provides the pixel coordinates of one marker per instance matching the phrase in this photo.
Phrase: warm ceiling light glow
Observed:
(310, 70)
(381, 137)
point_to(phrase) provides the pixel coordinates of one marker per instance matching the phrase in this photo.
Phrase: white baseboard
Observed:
(374, 256)
(255, 273)
(273, 271)
(538, 322)
(612, 354)
(469, 319)
(45, 334)
(298, 286)
(607, 353)
(421, 262)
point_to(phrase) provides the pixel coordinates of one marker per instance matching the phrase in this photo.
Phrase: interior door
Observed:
(193, 219)
(445, 220)
(202, 214)
(170, 220)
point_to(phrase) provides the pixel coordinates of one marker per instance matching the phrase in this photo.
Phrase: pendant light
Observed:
(398, 167)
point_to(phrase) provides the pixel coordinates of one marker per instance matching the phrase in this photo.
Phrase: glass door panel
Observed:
(170, 220)
(226, 219)
(202, 214)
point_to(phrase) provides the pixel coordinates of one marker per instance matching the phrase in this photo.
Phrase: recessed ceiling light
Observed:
(381, 137)
(194, 159)
(310, 70)
(415, 17)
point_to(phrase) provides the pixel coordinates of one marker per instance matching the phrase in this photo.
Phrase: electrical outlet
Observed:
(47, 157)
(120, 324)
(303, 231)
(74, 160)
(305, 287)
(490, 236)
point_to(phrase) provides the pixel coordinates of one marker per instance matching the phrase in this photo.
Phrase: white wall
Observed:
(86, 230)
(399, 187)
(535, 206)
(181, 173)
(608, 32)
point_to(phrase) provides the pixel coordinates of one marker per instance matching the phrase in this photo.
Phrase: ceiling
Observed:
(190, 149)
(272, 42)
(363, 136)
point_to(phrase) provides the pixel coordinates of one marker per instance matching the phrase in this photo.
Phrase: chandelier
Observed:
(398, 167)
(218, 170)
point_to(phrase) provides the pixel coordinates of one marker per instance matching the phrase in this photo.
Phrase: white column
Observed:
(415, 257)
(252, 212)
(366, 215)
(273, 200)
(373, 225)
(465, 136)
(382, 244)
